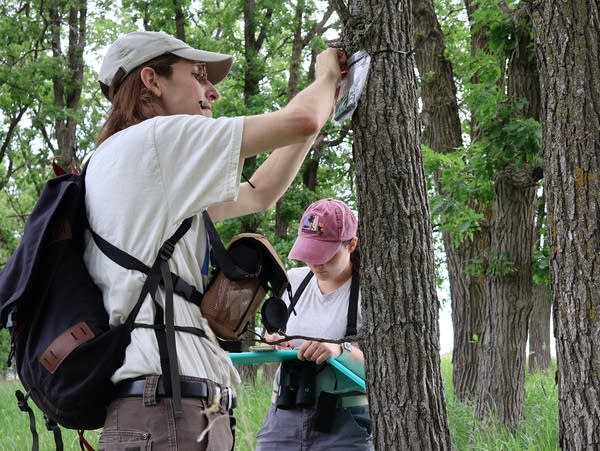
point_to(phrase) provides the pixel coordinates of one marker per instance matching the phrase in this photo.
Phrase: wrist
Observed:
(345, 349)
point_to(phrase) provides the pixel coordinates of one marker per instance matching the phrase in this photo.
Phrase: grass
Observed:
(539, 431)
(14, 425)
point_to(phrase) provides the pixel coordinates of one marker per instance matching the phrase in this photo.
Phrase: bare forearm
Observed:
(291, 130)
(269, 182)
(277, 173)
(301, 118)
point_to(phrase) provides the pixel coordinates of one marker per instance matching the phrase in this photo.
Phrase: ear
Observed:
(353, 244)
(151, 81)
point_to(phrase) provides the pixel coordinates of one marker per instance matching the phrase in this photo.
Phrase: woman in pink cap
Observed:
(314, 407)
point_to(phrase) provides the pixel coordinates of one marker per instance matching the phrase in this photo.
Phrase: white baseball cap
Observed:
(133, 49)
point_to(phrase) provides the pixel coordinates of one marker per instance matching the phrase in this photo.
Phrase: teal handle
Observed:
(348, 373)
(273, 355)
(279, 355)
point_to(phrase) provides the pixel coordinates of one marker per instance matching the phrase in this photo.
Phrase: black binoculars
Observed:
(296, 384)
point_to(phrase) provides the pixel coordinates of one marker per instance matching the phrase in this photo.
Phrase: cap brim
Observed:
(218, 65)
(315, 252)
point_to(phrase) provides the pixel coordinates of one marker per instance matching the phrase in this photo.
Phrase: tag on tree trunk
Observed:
(351, 87)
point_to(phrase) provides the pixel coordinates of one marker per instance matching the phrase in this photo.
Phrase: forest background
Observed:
(462, 80)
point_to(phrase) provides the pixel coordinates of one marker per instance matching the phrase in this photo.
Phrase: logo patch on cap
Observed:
(312, 224)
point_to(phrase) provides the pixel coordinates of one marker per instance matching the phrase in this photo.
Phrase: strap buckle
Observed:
(22, 401)
(166, 250)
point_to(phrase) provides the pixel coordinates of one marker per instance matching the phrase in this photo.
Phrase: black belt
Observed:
(189, 389)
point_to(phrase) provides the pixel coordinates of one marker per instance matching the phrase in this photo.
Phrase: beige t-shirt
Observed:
(141, 184)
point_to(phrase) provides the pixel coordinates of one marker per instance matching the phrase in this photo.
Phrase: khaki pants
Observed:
(132, 426)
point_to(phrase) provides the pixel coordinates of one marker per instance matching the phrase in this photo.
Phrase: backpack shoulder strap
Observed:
(222, 256)
(353, 306)
(294, 300)
(165, 332)
(127, 261)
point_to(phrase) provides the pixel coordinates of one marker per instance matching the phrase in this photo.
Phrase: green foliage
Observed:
(453, 208)
(29, 68)
(254, 401)
(476, 267)
(541, 266)
(14, 425)
(501, 265)
(500, 133)
(509, 138)
(4, 352)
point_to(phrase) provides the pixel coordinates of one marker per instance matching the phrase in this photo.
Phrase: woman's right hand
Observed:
(271, 338)
(331, 62)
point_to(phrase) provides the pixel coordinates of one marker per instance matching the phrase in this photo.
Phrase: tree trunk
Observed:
(539, 323)
(397, 277)
(568, 40)
(539, 330)
(468, 295)
(254, 36)
(442, 133)
(67, 86)
(281, 219)
(508, 298)
(523, 83)
(284, 215)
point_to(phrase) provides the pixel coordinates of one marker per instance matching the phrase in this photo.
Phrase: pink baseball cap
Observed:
(323, 227)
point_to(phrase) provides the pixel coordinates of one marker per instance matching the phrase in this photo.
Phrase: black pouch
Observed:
(297, 380)
(325, 413)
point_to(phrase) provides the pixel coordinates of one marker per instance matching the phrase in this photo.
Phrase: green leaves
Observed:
(454, 208)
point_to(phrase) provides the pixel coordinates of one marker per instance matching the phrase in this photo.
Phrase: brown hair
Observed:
(354, 257)
(133, 102)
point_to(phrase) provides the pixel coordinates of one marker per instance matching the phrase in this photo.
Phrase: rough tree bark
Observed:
(401, 333)
(523, 83)
(500, 388)
(539, 330)
(568, 47)
(442, 133)
(508, 301)
(539, 358)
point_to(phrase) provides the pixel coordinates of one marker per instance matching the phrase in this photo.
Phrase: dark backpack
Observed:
(64, 349)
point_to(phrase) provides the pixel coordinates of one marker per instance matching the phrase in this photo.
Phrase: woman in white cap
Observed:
(161, 158)
(314, 406)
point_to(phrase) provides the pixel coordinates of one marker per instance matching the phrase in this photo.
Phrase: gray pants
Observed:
(132, 426)
(293, 430)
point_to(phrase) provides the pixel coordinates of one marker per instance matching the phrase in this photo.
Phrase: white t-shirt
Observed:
(141, 183)
(322, 316)
(319, 315)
